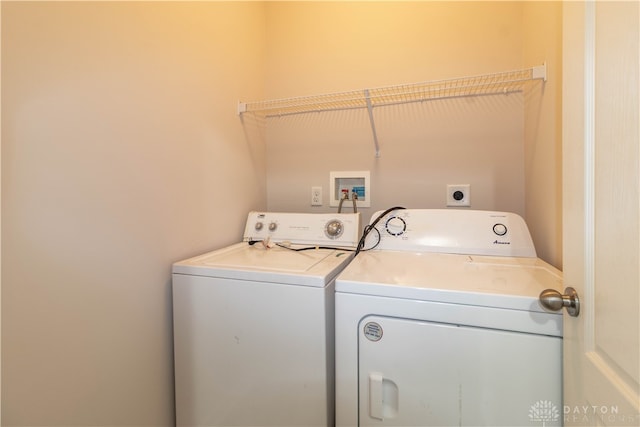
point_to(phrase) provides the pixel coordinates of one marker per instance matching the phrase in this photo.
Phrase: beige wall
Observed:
(121, 153)
(543, 130)
(487, 142)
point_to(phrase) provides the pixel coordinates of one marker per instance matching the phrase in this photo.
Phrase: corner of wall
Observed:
(543, 130)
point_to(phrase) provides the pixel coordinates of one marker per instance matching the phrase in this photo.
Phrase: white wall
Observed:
(543, 130)
(316, 48)
(121, 153)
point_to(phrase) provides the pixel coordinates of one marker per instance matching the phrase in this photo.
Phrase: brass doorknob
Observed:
(554, 301)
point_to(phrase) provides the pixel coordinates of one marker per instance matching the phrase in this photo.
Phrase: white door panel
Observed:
(601, 212)
(417, 373)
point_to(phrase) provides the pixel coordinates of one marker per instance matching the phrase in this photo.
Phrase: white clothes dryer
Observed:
(253, 324)
(440, 325)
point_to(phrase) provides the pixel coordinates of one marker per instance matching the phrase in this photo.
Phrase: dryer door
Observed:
(417, 373)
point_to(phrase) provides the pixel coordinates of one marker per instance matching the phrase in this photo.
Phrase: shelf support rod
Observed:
(372, 121)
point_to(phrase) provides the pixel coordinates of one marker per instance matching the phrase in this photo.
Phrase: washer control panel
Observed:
(304, 228)
(453, 231)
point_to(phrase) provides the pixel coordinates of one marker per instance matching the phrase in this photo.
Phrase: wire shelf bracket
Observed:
(487, 84)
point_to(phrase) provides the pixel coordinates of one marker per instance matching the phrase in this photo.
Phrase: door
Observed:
(601, 212)
(421, 373)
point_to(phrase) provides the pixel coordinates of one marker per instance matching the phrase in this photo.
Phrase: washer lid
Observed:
(502, 282)
(315, 267)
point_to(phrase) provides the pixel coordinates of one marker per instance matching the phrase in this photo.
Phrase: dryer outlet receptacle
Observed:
(459, 195)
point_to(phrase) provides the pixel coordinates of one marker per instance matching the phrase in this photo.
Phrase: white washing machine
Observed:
(253, 324)
(440, 325)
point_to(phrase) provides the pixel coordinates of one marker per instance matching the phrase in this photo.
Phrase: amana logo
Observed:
(501, 243)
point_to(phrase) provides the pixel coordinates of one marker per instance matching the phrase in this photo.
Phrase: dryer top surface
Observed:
(489, 281)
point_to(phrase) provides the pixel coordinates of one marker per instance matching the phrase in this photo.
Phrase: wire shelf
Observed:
(488, 84)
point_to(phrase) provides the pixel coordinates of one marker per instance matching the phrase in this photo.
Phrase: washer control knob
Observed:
(334, 229)
(273, 226)
(396, 226)
(500, 229)
(259, 226)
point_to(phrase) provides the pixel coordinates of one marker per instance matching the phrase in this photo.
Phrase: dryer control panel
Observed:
(452, 231)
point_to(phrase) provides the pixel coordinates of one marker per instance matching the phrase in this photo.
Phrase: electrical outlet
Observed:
(458, 195)
(316, 196)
